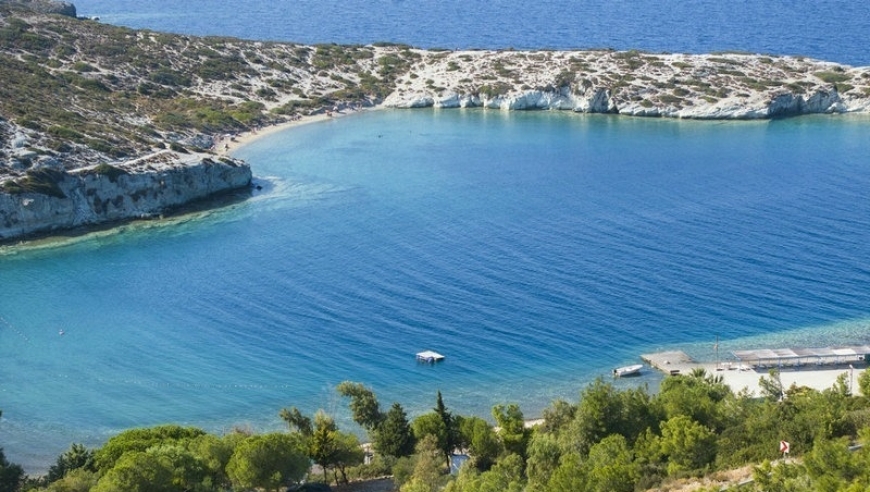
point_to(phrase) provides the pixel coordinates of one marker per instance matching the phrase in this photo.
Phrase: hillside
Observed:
(81, 95)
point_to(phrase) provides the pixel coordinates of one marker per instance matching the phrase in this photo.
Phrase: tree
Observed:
(188, 471)
(771, 387)
(296, 421)
(215, 452)
(321, 443)
(137, 471)
(332, 449)
(558, 416)
(569, 476)
(505, 476)
(441, 424)
(481, 440)
(603, 411)
(864, 383)
(610, 467)
(140, 440)
(78, 480)
(512, 428)
(430, 424)
(77, 456)
(363, 405)
(10, 474)
(543, 459)
(348, 452)
(830, 461)
(268, 461)
(428, 473)
(687, 444)
(468, 480)
(698, 396)
(394, 437)
(451, 436)
(784, 477)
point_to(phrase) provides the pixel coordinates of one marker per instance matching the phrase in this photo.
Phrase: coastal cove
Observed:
(93, 138)
(536, 250)
(539, 192)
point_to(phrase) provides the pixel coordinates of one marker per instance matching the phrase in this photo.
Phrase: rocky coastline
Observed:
(727, 86)
(101, 124)
(57, 200)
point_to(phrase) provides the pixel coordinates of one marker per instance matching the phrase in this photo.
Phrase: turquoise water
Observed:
(535, 250)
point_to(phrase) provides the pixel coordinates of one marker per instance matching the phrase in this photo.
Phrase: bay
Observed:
(535, 250)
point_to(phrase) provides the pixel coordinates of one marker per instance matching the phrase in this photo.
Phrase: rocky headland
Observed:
(720, 86)
(100, 123)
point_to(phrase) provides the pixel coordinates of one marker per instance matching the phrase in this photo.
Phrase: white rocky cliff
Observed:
(723, 86)
(49, 199)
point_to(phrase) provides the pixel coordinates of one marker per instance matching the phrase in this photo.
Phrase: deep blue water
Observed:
(535, 250)
(835, 30)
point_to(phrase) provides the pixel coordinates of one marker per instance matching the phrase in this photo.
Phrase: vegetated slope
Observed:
(86, 92)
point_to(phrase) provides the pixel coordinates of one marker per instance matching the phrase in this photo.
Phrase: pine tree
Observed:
(394, 436)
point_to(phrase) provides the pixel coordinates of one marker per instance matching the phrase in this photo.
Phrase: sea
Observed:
(535, 250)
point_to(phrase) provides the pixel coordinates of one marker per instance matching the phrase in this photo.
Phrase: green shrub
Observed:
(110, 171)
(564, 79)
(81, 66)
(177, 147)
(40, 181)
(844, 87)
(267, 93)
(832, 77)
(168, 77)
(494, 90)
(65, 132)
(669, 99)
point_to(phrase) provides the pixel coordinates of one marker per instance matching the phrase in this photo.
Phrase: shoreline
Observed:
(227, 146)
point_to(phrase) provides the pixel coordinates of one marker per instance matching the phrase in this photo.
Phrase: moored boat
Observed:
(627, 371)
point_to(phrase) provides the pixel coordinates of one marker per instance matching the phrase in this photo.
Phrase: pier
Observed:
(816, 368)
(672, 363)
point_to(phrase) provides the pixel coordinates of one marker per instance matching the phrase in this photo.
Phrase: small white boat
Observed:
(429, 357)
(627, 371)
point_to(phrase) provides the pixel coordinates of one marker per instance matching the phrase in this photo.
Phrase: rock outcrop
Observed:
(49, 199)
(725, 86)
(44, 6)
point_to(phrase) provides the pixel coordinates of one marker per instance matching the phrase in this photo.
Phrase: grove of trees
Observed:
(609, 440)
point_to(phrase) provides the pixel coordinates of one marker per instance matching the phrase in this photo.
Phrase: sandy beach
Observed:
(818, 378)
(231, 143)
